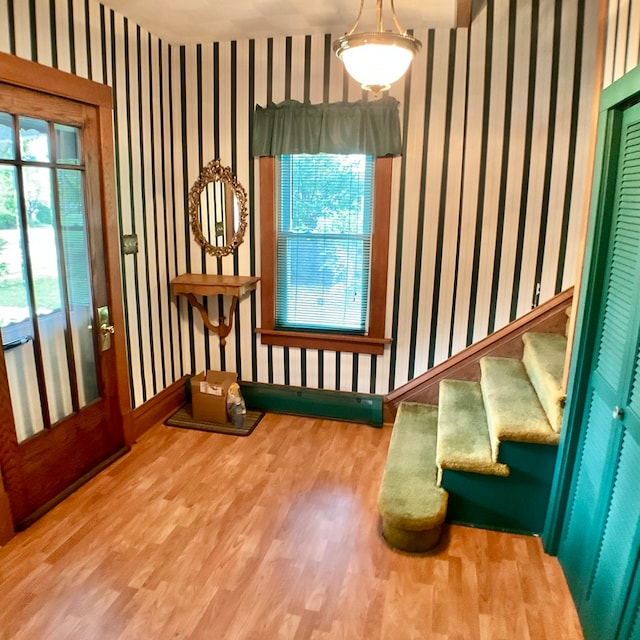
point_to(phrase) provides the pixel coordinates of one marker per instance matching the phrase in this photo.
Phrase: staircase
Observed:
(496, 440)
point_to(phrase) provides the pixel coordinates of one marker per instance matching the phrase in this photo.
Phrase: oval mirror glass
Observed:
(218, 210)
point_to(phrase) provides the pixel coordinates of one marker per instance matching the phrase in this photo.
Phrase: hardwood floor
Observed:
(198, 535)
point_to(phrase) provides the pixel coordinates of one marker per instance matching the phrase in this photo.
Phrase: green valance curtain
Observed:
(291, 127)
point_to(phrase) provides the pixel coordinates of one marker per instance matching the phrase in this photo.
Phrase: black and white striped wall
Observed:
(488, 197)
(622, 52)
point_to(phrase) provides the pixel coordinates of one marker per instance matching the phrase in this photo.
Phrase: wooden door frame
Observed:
(31, 75)
(623, 93)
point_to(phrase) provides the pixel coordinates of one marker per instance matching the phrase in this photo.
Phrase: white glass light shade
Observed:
(376, 60)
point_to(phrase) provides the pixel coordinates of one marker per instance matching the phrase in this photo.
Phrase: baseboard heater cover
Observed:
(315, 403)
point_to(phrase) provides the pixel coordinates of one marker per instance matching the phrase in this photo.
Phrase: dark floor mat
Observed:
(183, 418)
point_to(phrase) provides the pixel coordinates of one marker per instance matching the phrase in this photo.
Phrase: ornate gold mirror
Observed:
(218, 210)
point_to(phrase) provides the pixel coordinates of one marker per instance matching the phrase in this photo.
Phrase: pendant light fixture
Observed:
(376, 59)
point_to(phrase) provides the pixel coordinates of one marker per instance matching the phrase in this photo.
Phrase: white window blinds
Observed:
(323, 238)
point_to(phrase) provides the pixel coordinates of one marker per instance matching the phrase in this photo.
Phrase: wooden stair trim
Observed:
(465, 365)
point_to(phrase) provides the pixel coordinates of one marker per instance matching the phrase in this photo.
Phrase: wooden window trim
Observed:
(374, 341)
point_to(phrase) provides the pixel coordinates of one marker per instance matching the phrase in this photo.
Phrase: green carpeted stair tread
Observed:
(463, 435)
(543, 358)
(511, 404)
(409, 499)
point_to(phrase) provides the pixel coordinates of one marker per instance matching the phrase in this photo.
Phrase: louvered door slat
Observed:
(634, 402)
(624, 268)
(631, 622)
(579, 524)
(609, 580)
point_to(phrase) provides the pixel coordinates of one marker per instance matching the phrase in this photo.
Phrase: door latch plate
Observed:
(106, 328)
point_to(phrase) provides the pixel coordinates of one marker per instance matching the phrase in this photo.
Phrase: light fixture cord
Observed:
(357, 22)
(395, 19)
(379, 13)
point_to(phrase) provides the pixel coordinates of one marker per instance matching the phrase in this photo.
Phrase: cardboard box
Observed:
(209, 395)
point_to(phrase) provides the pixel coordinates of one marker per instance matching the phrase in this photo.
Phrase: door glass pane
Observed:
(15, 321)
(43, 258)
(7, 147)
(43, 252)
(76, 256)
(67, 144)
(34, 140)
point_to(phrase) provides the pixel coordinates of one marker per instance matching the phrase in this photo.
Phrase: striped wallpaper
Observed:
(623, 39)
(487, 199)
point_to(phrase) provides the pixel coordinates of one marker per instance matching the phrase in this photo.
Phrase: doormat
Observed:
(183, 418)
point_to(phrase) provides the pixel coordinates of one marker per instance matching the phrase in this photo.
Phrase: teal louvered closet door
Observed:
(600, 541)
(630, 627)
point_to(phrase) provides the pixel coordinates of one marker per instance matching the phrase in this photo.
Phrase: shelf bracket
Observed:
(222, 328)
(191, 285)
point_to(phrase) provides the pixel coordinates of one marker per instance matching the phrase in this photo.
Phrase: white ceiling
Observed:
(202, 21)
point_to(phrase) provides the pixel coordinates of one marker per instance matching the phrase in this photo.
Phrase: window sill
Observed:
(323, 341)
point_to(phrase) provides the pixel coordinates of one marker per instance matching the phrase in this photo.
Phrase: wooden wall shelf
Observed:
(204, 284)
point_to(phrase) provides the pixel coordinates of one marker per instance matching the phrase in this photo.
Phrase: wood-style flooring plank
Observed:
(195, 535)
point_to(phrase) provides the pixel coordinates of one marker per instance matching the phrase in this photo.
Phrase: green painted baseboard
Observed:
(517, 503)
(316, 403)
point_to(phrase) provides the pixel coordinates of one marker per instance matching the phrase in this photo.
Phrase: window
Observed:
(325, 228)
(323, 242)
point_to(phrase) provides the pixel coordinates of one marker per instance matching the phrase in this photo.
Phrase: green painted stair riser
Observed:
(517, 503)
